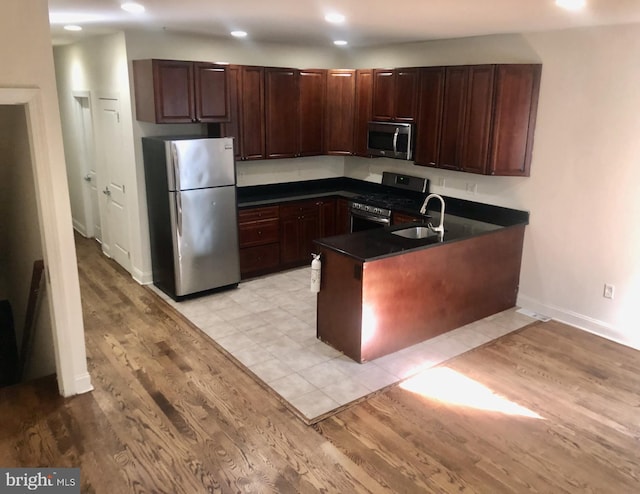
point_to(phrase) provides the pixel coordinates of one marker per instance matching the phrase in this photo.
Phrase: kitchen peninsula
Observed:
(381, 292)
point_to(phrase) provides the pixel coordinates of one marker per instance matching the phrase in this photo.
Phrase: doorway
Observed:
(35, 156)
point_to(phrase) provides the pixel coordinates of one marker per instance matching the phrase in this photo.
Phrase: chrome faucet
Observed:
(440, 228)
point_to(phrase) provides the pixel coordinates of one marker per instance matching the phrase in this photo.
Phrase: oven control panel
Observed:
(371, 209)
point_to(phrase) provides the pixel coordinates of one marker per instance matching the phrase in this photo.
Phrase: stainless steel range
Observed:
(373, 210)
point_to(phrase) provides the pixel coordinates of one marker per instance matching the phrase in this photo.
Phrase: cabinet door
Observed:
(174, 91)
(342, 217)
(478, 107)
(252, 113)
(340, 119)
(363, 110)
(282, 112)
(516, 103)
(299, 227)
(327, 213)
(455, 91)
(231, 128)
(313, 86)
(429, 115)
(405, 95)
(384, 92)
(212, 95)
(398, 218)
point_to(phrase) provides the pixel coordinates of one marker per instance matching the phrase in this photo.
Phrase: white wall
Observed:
(29, 64)
(585, 175)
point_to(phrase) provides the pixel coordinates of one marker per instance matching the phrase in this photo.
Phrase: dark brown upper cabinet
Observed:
(212, 92)
(467, 105)
(395, 94)
(281, 112)
(312, 96)
(477, 121)
(340, 112)
(487, 118)
(246, 111)
(514, 118)
(363, 110)
(429, 115)
(174, 91)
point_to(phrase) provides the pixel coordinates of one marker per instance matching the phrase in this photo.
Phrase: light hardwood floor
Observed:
(171, 414)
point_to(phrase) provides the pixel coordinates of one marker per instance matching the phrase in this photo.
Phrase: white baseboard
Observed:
(580, 321)
(81, 384)
(141, 277)
(79, 227)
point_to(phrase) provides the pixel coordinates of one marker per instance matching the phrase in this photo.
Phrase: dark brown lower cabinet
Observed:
(299, 227)
(258, 231)
(342, 216)
(400, 218)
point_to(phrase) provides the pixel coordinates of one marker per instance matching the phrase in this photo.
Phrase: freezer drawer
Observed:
(205, 239)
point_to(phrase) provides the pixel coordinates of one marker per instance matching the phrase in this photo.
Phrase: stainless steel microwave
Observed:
(390, 139)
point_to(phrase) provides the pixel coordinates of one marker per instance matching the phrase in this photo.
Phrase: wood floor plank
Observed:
(171, 413)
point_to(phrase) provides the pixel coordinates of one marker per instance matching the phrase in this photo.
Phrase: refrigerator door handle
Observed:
(178, 213)
(175, 165)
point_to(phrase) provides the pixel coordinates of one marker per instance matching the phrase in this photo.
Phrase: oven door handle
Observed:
(395, 141)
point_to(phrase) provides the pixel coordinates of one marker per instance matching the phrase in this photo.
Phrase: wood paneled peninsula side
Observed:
(381, 292)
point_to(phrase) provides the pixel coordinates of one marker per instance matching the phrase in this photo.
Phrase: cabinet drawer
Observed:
(258, 232)
(255, 214)
(400, 218)
(299, 209)
(262, 257)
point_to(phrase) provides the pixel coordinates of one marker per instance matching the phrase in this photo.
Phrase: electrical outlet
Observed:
(609, 290)
(442, 182)
(472, 188)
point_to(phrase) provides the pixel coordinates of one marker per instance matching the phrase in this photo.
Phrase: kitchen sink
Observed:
(415, 232)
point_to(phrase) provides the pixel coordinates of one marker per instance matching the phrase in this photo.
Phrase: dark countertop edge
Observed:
(348, 188)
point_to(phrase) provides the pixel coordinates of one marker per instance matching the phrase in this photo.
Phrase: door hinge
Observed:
(123, 188)
(118, 116)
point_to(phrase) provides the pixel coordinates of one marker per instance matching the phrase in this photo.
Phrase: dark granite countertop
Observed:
(370, 245)
(463, 219)
(349, 188)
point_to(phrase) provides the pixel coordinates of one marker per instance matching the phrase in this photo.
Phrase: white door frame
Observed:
(61, 271)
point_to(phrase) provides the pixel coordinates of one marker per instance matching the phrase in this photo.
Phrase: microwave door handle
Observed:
(395, 140)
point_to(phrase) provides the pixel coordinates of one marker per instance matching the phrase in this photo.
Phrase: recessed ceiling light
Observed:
(132, 7)
(571, 4)
(340, 42)
(239, 34)
(334, 18)
(73, 27)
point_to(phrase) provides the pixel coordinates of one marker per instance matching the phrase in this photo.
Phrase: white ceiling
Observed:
(368, 22)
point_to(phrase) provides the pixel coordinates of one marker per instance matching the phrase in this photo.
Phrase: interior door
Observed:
(87, 155)
(115, 231)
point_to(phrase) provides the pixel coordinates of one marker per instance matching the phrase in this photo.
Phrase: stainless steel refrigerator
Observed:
(191, 204)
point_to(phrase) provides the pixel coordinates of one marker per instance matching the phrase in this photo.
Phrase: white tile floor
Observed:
(268, 325)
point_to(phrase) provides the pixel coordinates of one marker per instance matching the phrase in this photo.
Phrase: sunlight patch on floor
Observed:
(448, 386)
